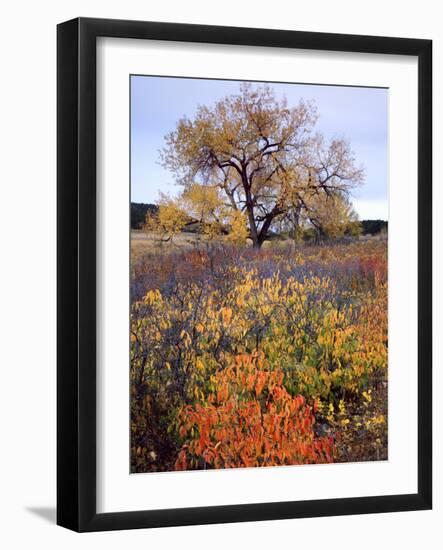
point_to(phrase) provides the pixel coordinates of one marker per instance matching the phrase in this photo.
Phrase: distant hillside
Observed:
(372, 227)
(138, 213)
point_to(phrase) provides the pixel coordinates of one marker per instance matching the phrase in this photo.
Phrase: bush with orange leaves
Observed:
(250, 420)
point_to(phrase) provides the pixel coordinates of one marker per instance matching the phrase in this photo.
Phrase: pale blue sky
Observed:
(358, 114)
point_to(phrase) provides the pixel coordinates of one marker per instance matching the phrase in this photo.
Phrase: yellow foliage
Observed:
(239, 228)
(170, 218)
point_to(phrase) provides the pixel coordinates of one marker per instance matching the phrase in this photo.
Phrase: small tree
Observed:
(169, 219)
(332, 216)
(204, 205)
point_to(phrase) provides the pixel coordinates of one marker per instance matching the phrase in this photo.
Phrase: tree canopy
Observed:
(253, 155)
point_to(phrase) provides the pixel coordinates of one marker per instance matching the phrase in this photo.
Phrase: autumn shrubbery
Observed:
(250, 419)
(243, 357)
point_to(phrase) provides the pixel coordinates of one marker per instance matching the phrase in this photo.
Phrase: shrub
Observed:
(250, 419)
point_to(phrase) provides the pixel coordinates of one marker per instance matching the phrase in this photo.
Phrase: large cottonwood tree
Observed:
(263, 156)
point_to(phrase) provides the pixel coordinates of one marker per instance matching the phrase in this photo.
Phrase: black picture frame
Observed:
(76, 279)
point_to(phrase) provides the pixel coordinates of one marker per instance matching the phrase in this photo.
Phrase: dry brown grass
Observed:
(143, 242)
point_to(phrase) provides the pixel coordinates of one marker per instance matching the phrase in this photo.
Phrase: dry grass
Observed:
(147, 242)
(143, 242)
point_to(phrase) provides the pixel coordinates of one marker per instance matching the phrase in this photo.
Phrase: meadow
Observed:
(244, 357)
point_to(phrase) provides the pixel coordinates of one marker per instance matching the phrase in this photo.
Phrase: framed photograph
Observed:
(244, 274)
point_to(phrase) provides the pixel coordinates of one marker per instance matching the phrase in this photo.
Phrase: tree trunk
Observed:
(265, 227)
(252, 227)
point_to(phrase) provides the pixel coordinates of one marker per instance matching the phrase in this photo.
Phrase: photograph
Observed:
(258, 274)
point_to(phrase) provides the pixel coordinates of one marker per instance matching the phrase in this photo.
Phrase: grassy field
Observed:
(243, 357)
(143, 242)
